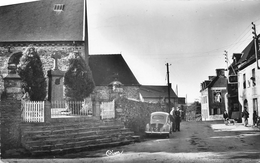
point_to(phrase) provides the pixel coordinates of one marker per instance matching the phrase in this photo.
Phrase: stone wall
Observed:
(45, 51)
(132, 92)
(136, 114)
(10, 125)
(105, 93)
(101, 93)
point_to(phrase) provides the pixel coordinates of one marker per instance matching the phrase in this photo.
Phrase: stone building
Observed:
(59, 28)
(53, 27)
(113, 77)
(214, 96)
(155, 94)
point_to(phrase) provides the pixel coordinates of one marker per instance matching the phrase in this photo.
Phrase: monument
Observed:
(56, 81)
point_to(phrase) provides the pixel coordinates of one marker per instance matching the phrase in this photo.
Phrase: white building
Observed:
(249, 81)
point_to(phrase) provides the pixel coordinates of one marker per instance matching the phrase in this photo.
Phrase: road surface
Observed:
(197, 142)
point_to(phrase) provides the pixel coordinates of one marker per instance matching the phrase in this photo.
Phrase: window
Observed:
(58, 7)
(204, 100)
(244, 81)
(215, 111)
(232, 79)
(253, 77)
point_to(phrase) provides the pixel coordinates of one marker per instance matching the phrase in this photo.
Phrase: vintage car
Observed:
(160, 124)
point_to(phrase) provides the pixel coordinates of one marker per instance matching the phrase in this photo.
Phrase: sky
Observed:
(190, 35)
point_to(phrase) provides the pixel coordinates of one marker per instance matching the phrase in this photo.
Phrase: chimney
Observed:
(211, 77)
(220, 72)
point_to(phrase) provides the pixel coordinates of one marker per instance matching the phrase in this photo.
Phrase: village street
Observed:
(196, 142)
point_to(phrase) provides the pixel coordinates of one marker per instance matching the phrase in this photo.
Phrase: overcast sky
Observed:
(190, 35)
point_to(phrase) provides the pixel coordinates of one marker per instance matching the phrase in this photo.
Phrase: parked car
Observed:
(160, 124)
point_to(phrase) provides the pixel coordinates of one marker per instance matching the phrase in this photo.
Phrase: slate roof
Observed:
(247, 52)
(153, 91)
(210, 83)
(37, 21)
(223, 82)
(107, 68)
(248, 56)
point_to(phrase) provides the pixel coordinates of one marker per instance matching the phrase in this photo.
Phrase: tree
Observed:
(78, 80)
(32, 75)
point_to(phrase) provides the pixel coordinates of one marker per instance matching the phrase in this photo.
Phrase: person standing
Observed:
(177, 114)
(245, 115)
(173, 120)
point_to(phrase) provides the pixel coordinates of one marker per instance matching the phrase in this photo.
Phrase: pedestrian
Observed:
(173, 120)
(177, 115)
(225, 116)
(245, 115)
(255, 117)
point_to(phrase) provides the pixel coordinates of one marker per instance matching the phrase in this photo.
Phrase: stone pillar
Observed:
(10, 107)
(47, 112)
(55, 85)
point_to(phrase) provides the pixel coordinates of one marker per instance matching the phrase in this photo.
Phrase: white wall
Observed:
(250, 92)
(204, 105)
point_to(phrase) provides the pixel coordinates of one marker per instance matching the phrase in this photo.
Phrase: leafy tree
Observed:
(32, 75)
(78, 80)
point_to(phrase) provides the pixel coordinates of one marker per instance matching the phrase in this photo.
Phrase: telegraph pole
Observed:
(169, 88)
(256, 44)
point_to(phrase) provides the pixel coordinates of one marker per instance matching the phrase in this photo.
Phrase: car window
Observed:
(159, 118)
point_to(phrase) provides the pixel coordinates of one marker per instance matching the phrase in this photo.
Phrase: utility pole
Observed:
(169, 88)
(256, 44)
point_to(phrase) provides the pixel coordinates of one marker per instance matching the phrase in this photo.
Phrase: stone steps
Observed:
(86, 135)
(79, 130)
(72, 136)
(84, 143)
(56, 126)
(80, 148)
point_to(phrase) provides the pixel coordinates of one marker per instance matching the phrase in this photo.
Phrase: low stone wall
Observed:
(136, 114)
(10, 125)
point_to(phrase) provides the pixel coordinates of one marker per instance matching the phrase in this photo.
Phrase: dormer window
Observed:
(58, 7)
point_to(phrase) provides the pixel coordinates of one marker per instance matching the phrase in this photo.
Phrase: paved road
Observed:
(196, 142)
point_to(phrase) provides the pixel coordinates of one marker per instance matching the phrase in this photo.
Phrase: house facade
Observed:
(249, 81)
(234, 108)
(214, 96)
